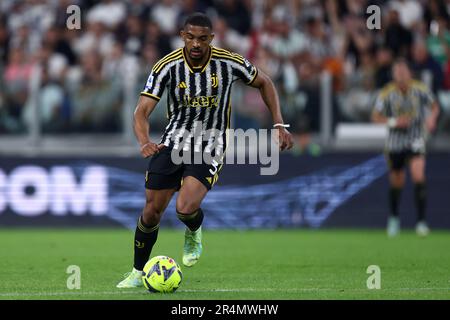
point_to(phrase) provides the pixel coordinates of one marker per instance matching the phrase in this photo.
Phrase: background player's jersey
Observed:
(415, 103)
(198, 98)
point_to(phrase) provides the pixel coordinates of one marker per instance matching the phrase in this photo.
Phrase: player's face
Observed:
(401, 74)
(196, 41)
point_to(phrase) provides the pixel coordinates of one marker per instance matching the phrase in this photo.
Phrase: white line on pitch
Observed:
(124, 292)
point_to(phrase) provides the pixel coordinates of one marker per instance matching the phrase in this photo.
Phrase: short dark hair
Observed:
(402, 60)
(198, 19)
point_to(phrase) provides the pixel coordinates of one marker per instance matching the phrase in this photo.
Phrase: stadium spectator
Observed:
(96, 37)
(295, 41)
(131, 34)
(118, 64)
(53, 38)
(236, 14)
(149, 56)
(435, 9)
(447, 76)
(286, 41)
(154, 35)
(52, 104)
(251, 112)
(384, 61)
(397, 37)
(423, 62)
(302, 11)
(16, 79)
(359, 39)
(319, 44)
(355, 101)
(4, 42)
(229, 39)
(438, 41)
(139, 8)
(109, 12)
(96, 101)
(188, 7)
(22, 37)
(170, 10)
(410, 12)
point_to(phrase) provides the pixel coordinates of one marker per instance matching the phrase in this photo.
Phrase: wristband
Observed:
(281, 125)
(392, 122)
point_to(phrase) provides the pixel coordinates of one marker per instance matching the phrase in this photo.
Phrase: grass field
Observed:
(294, 264)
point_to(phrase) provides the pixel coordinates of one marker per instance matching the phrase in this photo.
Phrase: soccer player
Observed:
(197, 79)
(408, 108)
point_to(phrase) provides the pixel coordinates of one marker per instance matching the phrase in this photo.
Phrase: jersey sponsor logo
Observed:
(200, 101)
(149, 83)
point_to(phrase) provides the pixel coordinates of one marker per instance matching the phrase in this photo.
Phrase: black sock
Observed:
(420, 197)
(394, 200)
(144, 239)
(192, 220)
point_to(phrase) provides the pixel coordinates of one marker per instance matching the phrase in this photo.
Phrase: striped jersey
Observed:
(415, 103)
(198, 98)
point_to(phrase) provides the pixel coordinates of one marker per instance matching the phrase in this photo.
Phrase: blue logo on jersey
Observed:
(149, 83)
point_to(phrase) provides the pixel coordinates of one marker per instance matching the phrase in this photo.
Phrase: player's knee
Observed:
(397, 183)
(150, 219)
(418, 175)
(397, 179)
(151, 213)
(184, 206)
(418, 178)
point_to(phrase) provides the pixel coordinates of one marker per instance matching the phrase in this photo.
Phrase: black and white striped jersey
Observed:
(198, 97)
(415, 103)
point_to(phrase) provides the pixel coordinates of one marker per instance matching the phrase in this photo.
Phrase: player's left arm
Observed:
(431, 120)
(270, 97)
(433, 108)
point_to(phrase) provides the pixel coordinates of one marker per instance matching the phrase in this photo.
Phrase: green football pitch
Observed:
(279, 264)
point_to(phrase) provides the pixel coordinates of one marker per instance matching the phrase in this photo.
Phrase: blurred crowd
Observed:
(84, 75)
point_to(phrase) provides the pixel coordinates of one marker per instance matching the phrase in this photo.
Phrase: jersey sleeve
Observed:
(381, 104)
(427, 97)
(156, 82)
(244, 70)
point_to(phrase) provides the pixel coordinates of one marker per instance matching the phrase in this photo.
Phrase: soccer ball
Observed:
(162, 274)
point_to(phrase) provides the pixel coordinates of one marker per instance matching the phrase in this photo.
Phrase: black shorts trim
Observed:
(162, 173)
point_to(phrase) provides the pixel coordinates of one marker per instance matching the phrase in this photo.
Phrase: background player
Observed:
(198, 79)
(408, 108)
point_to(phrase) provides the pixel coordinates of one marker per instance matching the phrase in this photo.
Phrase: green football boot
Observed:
(393, 227)
(132, 279)
(422, 229)
(192, 246)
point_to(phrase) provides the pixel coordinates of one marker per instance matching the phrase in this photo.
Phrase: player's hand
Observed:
(430, 124)
(150, 148)
(403, 122)
(285, 139)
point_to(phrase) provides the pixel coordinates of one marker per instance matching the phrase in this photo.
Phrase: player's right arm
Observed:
(148, 100)
(141, 126)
